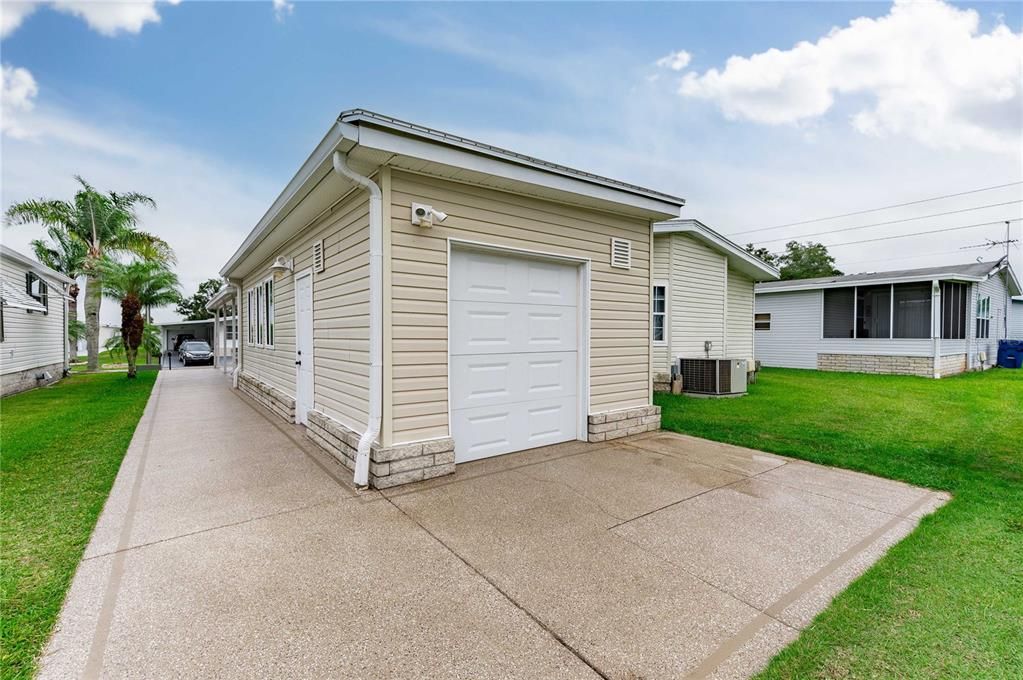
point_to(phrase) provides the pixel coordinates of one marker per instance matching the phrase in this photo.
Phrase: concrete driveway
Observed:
(231, 546)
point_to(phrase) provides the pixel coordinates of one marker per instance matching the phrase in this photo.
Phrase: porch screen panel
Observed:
(912, 310)
(953, 310)
(838, 312)
(873, 312)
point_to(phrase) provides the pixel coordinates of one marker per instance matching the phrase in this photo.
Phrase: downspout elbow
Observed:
(376, 374)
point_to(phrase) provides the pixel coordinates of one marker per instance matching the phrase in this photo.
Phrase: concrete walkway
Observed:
(231, 546)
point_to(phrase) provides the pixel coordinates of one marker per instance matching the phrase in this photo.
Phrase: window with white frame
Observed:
(660, 314)
(259, 314)
(984, 318)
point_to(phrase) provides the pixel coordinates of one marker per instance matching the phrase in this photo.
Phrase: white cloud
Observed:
(18, 91)
(932, 74)
(676, 61)
(106, 18)
(12, 14)
(206, 206)
(283, 8)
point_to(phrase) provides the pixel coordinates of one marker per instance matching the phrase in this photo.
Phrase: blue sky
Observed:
(211, 107)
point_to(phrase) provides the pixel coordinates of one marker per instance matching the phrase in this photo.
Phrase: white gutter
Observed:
(376, 328)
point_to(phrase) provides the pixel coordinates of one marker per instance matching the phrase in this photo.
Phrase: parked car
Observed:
(195, 352)
(181, 339)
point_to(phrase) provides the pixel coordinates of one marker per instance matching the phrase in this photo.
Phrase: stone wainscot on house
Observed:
(417, 300)
(930, 322)
(34, 349)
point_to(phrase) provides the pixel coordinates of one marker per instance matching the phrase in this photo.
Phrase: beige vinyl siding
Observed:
(620, 324)
(31, 340)
(340, 314)
(662, 272)
(740, 316)
(698, 281)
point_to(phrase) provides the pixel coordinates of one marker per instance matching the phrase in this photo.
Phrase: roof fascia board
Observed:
(1013, 282)
(949, 276)
(721, 242)
(404, 128)
(384, 139)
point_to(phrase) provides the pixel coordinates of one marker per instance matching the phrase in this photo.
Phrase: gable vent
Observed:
(621, 253)
(318, 256)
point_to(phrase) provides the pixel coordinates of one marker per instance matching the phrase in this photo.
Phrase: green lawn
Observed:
(947, 602)
(61, 447)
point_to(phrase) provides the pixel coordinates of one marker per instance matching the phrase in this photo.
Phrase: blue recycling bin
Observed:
(1010, 353)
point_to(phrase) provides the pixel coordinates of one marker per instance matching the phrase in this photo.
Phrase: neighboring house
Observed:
(932, 322)
(106, 331)
(417, 299)
(702, 296)
(1016, 319)
(33, 333)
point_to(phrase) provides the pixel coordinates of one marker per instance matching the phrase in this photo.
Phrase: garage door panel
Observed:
(491, 379)
(513, 353)
(489, 277)
(494, 430)
(494, 328)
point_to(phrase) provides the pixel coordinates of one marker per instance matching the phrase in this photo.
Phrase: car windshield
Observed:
(195, 347)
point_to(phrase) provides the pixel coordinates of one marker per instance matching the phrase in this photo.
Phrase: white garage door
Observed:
(513, 353)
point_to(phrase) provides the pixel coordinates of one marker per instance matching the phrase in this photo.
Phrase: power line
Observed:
(922, 233)
(902, 257)
(885, 207)
(881, 224)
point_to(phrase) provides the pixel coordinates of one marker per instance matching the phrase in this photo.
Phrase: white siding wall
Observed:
(340, 314)
(698, 281)
(620, 299)
(740, 316)
(794, 338)
(32, 339)
(707, 301)
(1016, 320)
(994, 288)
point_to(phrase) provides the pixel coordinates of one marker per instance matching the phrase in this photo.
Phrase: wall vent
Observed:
(318, 256)
(621, 253)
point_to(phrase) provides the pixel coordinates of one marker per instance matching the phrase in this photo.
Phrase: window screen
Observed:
(873, 312)
(838, 312)
(912, 310)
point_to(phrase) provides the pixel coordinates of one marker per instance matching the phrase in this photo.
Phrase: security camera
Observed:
(424, 215)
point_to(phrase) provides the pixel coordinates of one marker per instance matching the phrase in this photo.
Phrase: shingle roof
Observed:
(969, 270)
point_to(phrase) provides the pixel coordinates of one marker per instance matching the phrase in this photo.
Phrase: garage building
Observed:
(417, 299)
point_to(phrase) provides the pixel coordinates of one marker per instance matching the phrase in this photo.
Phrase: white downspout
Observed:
(936, 307)
(240, 345)
(376, 328)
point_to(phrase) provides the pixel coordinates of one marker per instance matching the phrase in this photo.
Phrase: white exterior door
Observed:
(514, 355)
(303, 346)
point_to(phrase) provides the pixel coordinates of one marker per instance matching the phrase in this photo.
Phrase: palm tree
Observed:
(138, 284)
(150, 342)
(66, 254)
(108, 226)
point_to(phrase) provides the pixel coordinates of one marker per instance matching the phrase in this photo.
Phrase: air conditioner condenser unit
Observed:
(713, 377)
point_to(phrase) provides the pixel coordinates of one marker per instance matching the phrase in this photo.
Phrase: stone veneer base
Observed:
(276, 401)
(616, 424)
(390, 466)
(19, 381)
(950, 364)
